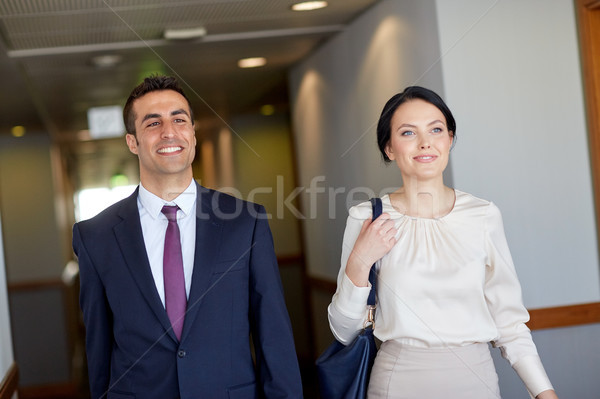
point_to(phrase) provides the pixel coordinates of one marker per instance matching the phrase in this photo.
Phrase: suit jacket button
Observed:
(181, 353)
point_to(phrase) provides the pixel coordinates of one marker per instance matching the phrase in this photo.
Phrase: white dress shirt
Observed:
(154, 228)
(447, 282)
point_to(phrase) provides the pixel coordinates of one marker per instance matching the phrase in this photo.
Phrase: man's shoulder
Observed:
(224, 203)
(109, 216)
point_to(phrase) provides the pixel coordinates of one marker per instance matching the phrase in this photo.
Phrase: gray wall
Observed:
(337, 95)
(32, 244)
(6, 350)
(513, 81)
(570, 356)
(33, 252)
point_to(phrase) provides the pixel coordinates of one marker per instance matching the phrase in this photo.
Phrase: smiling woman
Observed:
(446, 282)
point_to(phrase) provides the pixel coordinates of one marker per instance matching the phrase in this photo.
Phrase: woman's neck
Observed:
(423, 199)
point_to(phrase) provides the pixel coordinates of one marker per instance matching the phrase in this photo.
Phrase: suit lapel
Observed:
(208, 232)
(129, 236)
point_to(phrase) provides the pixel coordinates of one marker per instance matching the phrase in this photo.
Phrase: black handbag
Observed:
(344, 371)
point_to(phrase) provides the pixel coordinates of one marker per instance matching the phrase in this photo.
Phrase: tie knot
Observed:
(170, 211)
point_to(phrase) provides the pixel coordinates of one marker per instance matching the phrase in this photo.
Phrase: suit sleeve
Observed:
(97, 319)
(271, 328)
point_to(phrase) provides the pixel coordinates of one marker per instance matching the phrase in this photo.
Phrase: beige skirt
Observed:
(406, 372)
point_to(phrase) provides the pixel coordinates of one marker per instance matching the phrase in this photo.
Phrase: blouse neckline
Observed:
(387, 201)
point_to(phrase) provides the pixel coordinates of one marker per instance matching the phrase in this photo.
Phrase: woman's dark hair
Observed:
(150, 84)
(410, 93)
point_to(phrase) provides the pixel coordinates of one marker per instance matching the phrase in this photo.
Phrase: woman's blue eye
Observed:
(407, 133)
(437, 130)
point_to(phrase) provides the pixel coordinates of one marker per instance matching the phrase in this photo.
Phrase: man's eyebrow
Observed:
(173, 113)
(150, 116)
(179, 112)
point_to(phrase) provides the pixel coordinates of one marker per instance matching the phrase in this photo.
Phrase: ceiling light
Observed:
(252, 62)
(184, 34)
(18, 131)
(309, 5)
(106, 60)
(267, 110)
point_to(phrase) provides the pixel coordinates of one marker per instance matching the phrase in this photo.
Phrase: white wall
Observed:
(6, 350)
(513, 81)
(337, 96)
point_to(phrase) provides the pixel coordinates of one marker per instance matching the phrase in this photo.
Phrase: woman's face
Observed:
(419, 141)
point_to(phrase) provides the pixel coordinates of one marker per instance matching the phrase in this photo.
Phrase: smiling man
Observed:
(176, 278)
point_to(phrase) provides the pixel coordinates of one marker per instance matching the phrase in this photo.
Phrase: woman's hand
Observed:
(549, 394)
(376, 238)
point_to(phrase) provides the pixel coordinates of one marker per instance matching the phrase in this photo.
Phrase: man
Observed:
(170, 296)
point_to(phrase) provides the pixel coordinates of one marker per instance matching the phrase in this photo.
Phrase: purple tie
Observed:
(175, 297)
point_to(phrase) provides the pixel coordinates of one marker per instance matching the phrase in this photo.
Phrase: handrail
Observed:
(8, 385)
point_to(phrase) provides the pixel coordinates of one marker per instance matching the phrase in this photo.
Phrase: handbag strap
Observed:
(377, 210)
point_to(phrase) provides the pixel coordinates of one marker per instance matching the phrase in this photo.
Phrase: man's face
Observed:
(165, 141)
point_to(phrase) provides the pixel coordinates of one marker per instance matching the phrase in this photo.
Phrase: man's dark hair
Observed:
(410, 93)
(150, 84)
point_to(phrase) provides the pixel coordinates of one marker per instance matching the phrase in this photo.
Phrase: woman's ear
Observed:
(389, 151)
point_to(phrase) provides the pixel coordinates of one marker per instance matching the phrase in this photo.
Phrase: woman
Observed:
(447, 284)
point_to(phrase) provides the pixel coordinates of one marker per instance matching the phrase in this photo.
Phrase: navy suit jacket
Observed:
(236, 293)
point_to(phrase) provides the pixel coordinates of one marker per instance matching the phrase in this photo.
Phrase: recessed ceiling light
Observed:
(267, 110)
(184, 34)
(106, 60)
(309, 5)
(252, 62)
(18, 131)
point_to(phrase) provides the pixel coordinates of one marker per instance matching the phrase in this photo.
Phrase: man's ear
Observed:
(132, 143)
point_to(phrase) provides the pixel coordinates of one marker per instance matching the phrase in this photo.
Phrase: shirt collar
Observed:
(154, 204)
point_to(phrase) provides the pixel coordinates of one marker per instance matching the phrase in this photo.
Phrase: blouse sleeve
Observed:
(348, 308)
(503, 297)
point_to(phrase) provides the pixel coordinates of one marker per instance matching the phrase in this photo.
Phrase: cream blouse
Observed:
(447, 282)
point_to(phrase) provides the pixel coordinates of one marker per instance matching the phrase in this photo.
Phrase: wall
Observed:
(6, 346)
(32, 245)
(510, 72)
(264, 173)
(337, 95)
(515, 90)
(34, 257)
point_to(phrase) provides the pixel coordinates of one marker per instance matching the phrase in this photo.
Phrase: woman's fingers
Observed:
(383, 225)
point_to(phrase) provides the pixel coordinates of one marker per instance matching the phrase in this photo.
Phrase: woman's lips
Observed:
(425, 158)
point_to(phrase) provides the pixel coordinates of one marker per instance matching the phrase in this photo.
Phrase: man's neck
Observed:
(167, 189)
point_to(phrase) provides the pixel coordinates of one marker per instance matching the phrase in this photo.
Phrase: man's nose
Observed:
(168, 131)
